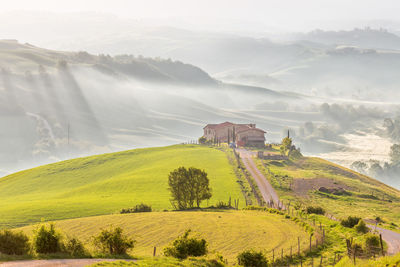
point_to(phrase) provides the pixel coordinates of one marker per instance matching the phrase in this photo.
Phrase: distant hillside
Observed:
(107, 183)
(20, 58)
(365, 38)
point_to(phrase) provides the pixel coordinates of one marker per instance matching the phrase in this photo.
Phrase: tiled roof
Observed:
(215, 126)
(239, 127)
(249, 129)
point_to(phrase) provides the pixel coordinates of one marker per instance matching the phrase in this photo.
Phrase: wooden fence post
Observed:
(273, 256)
(380, 238)
(291, 257)
(298, 246)
(320, 263)
(154, 251)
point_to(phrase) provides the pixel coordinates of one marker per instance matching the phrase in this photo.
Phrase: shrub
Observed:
(361, 227)
(183, 247)
(138, 208)
(47, 240)
(315, 210)
(75, 248)
(350, 222)
(252, 258)
(113, 242)
(13, 243)
(372, 244)
(222, 205)
(202, 140)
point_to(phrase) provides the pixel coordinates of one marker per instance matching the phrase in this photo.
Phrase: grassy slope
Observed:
(380, 262)
(339, 206)
(227, 232)
(106, 183)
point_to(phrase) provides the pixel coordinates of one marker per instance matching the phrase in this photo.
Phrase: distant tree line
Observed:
(386, 170)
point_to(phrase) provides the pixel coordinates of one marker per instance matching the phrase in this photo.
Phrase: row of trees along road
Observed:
(189, 187)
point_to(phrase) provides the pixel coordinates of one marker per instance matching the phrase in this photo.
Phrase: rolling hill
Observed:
(340, 191)
(107, 183)
(228, 232)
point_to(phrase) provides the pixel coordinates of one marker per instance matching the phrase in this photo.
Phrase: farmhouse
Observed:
(240, 134)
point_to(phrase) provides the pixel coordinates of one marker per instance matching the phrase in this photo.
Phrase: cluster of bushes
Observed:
(370, 247)
(361, 227)
(355, 222)
(47, 240)
(184, 247)
(350, 222)
(113, 241)
(13, 243)
(251, 258)
(138, 208)
(315, 210)
(223, 205)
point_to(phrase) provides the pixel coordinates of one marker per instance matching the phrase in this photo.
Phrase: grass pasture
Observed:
(366, 198)
(228, 232)
(105, 184)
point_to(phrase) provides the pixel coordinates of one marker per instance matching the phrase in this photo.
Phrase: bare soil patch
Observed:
(302, 186)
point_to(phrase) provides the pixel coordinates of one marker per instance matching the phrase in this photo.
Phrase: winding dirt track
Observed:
(54, 263)
(391, 238)
(267, 191)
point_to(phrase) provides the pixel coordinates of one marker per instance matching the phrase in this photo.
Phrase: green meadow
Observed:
(107, 183)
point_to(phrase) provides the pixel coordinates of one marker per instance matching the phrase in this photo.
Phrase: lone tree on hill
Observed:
(188, 187)
(286, 145)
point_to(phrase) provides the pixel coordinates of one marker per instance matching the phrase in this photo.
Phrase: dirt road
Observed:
(267, 191)
(391, 238)
(54, 263)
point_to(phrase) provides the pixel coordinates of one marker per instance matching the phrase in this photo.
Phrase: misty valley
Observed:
(57, 105)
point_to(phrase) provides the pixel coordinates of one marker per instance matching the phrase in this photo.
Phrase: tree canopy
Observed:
(188, 187)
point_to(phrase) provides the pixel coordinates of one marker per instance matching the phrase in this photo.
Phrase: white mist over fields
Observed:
(83, 80)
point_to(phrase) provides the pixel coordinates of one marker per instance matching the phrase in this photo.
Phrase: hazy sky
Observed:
(288, 12)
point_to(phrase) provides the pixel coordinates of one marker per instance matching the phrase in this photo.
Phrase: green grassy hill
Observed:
(106, 183)
(228, 232)
(348, 192)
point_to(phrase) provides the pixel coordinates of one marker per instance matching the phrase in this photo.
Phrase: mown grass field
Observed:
(367, 198)
(157, 261)
(107, 183)
(228, 232)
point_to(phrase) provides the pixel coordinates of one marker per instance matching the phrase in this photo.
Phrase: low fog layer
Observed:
(57, 105)
(357, 63)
